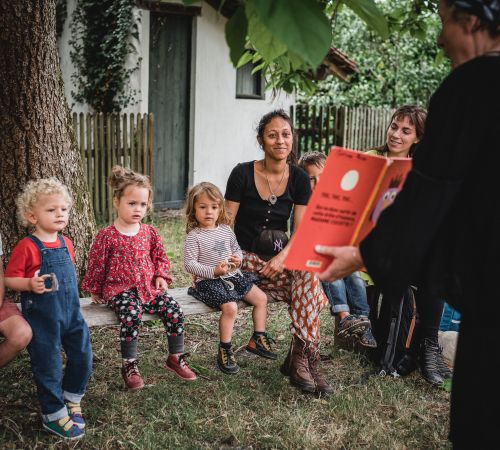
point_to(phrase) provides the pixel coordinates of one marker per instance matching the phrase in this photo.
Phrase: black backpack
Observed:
(395, 327)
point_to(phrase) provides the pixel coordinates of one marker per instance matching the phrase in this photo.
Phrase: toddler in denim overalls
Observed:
(41, 268)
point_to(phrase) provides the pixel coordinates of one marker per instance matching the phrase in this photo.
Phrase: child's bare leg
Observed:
(258, 299)
(226, 321)
(17, 335)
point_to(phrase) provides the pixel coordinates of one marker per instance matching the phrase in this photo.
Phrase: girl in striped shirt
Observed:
(212, 255)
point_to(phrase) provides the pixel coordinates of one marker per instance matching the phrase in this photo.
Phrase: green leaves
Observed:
(373, 17)
(101, 33)
(264, 41)
(300, 24)
(236, 34)
(401, 70)
(288, 39)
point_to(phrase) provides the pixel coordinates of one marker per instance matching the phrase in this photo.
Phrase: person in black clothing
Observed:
(443, 228)
(260, 196)
(404, 133)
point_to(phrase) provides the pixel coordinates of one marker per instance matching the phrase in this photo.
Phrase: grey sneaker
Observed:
(353, 325)
(367, 339)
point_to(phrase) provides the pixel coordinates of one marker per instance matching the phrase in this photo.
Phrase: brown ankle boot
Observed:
(285, 367)
(300, 376)
(322, 386)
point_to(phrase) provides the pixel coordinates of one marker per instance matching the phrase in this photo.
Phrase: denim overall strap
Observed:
(40, 245)
(56, 321)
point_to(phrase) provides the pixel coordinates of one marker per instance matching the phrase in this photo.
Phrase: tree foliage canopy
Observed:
(288, 39)
(404, 69)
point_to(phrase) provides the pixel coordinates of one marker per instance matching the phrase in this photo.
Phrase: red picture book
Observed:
(353, 190)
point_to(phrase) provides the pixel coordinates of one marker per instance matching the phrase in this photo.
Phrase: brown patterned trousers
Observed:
(301, 290)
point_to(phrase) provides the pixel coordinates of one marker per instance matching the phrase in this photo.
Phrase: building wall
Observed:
(222, 126)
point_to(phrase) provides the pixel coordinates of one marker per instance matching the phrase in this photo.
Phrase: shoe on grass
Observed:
(430, 354)
(353, 325)
(64, 428)
(261, 345)
(132, 376)
(226, 361)
(367, 339)
(180, 367)
(75, 414)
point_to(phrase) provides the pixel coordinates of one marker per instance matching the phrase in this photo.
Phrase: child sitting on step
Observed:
(41, 268)
(212, 255)
(128, 269)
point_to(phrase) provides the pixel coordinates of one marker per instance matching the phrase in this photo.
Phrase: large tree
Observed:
(36, 138)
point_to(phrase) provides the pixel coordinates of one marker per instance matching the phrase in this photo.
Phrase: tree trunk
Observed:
(36, 138)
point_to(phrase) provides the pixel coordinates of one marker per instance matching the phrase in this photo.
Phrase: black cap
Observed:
(269, 243)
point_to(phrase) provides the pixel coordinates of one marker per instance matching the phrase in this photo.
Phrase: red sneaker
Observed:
(180, 367)
(131, 376)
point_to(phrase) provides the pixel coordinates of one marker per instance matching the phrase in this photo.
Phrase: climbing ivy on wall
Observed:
(102, 36)
(61, 14)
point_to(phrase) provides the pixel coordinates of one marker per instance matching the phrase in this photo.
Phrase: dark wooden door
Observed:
(169, 90)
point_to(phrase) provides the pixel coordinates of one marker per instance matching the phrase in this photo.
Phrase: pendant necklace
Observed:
(272, 199)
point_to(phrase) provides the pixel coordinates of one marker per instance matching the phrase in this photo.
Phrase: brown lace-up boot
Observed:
(322, 386)
(300, 376)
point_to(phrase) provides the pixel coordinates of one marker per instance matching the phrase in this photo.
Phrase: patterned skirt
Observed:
(217, 291)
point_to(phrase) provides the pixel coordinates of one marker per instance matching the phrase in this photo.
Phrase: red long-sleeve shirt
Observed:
(118, 262)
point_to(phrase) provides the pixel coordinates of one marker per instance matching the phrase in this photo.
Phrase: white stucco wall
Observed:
(224, 126)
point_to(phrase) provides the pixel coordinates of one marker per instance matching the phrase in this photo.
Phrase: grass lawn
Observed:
(255, 409)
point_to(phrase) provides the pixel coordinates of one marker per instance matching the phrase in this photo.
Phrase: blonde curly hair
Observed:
(121, 178)
(33, 191)
(213, 193)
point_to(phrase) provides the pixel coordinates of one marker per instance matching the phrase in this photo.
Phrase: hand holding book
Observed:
(345, 260)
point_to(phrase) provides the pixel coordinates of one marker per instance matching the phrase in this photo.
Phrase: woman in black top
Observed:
(443, 228)
(260, 196)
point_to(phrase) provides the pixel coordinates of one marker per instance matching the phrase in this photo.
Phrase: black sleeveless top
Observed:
(255, 214)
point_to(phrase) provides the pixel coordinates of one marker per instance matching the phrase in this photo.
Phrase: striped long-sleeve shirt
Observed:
(205, 248)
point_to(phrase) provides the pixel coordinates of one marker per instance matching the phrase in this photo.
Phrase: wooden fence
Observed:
(318, 128)
(127, 139)
(109, 139)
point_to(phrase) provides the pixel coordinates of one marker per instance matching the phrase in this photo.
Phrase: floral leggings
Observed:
(129, 309)
(301, 290)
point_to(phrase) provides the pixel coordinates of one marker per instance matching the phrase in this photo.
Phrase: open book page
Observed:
(339, 207)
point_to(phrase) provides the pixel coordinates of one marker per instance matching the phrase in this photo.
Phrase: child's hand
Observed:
(221, 269)
(97, 299)
(161, 283)
(235, 261)
(37, 284)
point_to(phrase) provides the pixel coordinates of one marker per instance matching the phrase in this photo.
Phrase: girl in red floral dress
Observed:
(128, 270)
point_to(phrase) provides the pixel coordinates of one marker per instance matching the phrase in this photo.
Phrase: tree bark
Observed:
(36, 138)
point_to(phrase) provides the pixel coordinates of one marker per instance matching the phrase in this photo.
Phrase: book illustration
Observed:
(387, 198)
(349, 180)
